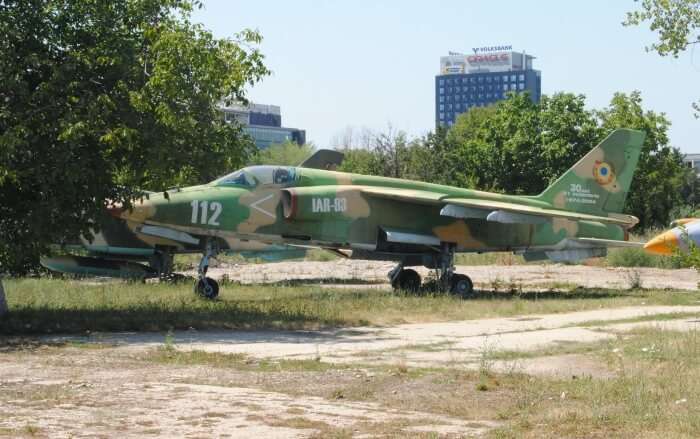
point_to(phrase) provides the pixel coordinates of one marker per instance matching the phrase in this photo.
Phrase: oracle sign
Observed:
(490, 58)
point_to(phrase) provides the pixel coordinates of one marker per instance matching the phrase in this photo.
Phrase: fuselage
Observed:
(275, 204)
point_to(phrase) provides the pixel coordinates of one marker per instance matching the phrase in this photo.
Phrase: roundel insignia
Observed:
(603, 173)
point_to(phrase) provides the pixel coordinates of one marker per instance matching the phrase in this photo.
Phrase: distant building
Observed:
(482, 78)
(692, 161)
(263, 123)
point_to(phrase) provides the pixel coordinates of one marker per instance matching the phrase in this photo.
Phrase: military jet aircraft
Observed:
(684, 235)
(413, 223)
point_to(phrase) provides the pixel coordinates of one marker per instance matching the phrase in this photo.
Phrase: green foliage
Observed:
(637, 257)
(518, 146)
(677, 23)
(691, 256)
(288, 153)
(101, 99)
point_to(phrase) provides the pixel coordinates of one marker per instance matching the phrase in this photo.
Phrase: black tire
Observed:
(408, 280)
(207, 288)
(462, 286)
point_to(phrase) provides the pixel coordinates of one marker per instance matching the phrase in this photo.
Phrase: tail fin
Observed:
(599, 182)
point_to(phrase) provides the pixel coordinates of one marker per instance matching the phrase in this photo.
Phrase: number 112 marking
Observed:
(200, 212)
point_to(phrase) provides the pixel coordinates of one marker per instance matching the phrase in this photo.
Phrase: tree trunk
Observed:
(3, 301)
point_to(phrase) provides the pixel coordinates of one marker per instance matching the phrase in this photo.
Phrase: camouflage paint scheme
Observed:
(578, 216)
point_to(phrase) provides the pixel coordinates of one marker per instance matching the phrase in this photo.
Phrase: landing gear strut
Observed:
(205, 286)
(457, 284)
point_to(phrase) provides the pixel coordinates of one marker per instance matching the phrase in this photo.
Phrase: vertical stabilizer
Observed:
(598, 184)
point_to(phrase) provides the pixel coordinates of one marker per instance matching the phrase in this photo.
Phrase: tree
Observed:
(518, 146)
(677, 23)
(385, 153)
(657, 187)
(103, 99)
(288, 154)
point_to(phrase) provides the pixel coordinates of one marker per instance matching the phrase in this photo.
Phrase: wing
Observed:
(493, 210)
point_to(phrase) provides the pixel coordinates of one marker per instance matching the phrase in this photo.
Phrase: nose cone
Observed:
(678, 238)
(663, 244)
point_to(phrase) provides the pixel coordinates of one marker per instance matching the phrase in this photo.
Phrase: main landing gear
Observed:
(206, 287)
(457, 284)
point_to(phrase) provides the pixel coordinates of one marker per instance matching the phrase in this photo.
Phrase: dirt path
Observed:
(113, 386)
(462, 343)
(503, 276)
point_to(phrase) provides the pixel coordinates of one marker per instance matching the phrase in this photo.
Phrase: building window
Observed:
(464, 80)
(497, 78)
(449, 107)
(521, 86)
(505, 86)
(512, 86)
(442, 116)
(481, 96)
(449, 82)
(472, 80)
(442, 90)
(481, 79)
(442, 108)
(512, 78)
(505, 78)
(442, 82)
(442, 98)
(521, 77)
(489, 87)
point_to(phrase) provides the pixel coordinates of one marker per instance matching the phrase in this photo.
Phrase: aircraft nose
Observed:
(663, 244)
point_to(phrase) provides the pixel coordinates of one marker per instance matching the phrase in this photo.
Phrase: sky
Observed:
(372, 64)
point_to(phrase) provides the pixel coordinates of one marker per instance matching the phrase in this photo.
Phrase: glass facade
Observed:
(457, 93)
(265, 136)
(263, 123)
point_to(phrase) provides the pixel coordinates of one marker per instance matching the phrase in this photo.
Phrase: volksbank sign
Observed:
(492, 49)
(485, 59)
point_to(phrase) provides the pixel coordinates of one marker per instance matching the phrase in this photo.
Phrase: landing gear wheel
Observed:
(207, 287)
(407, 280)
(462, 286)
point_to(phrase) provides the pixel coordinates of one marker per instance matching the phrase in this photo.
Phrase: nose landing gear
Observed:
(206, 287)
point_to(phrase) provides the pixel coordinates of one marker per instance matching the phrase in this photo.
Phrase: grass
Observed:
(71, 306)
(168, 354)
(653, 395)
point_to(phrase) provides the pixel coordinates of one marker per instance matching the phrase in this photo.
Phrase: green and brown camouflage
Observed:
(369, 217)
(578, 216)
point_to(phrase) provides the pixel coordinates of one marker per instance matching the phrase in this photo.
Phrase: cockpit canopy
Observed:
(254, 176)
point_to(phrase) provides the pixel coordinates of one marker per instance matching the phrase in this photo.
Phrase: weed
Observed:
(634, 279)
